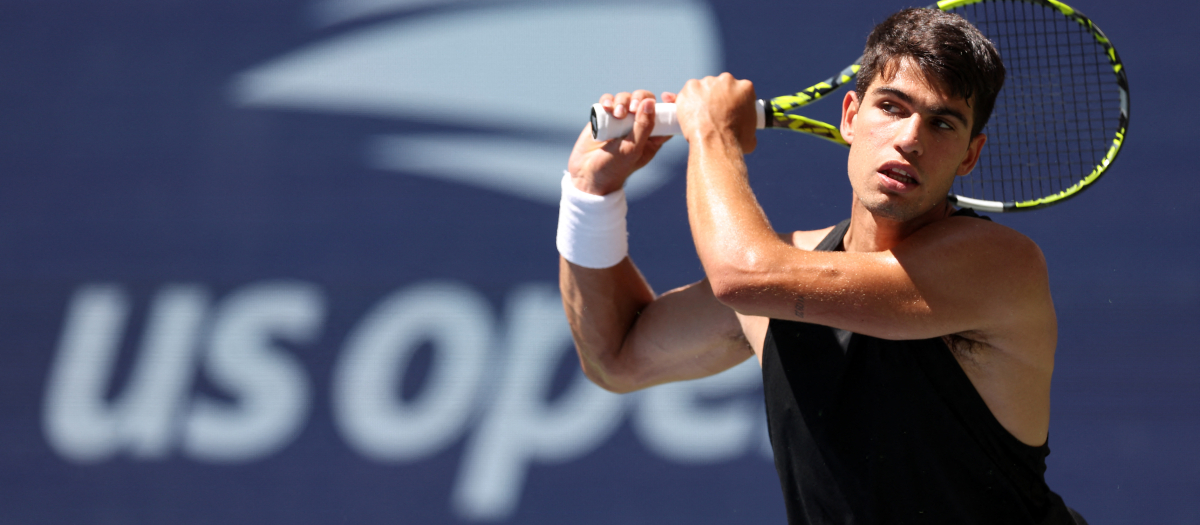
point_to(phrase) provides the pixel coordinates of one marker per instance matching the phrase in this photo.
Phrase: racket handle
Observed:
(606, 127)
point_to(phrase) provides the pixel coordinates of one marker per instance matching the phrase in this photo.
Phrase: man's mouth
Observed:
(899, 175)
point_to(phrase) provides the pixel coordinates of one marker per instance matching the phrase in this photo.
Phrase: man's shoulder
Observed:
(1002, 270)
(1004, 274)
(970, 236)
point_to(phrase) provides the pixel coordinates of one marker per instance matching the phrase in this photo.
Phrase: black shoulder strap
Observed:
(833, 241)
(968, 212)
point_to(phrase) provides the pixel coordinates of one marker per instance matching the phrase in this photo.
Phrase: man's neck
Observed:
(872, 233)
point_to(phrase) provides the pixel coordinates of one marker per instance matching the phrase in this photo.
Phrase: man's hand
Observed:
(719, 106)
(601, 168)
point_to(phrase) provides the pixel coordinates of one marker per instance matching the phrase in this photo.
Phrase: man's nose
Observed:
(908, 137)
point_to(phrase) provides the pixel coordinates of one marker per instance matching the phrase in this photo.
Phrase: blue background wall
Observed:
(242, 280)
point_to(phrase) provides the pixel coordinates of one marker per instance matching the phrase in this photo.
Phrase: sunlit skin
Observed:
(906, 124)
(909, 270)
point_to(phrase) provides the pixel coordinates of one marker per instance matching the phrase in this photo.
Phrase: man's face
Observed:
(908, 142)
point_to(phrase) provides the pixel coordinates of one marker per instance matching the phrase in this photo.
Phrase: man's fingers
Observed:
(637, 98)
(643, 123)
(621, 104)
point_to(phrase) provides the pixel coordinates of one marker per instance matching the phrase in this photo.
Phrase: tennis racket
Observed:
(1058, 123)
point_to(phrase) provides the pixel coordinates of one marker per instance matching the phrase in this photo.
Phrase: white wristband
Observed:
(591, 228)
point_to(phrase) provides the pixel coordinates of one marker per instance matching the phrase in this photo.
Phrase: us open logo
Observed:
(506, 86)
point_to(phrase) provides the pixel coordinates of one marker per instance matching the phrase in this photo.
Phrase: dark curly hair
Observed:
(946, 48)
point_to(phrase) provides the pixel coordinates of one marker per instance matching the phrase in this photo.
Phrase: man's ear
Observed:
(972, 157)
(849, 113)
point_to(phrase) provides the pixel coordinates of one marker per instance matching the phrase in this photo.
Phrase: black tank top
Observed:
(871, 431)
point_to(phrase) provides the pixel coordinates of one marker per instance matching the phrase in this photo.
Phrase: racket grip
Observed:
(607, 127)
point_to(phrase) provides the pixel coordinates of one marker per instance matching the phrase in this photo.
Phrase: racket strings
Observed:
(1057, 114)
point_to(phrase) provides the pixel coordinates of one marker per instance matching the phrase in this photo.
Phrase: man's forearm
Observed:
(730, 229)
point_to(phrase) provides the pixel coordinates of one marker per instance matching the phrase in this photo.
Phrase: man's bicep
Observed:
(684, 334)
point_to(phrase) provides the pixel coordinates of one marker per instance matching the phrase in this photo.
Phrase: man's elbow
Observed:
(733, 294)
(610, 376)
(736, 282)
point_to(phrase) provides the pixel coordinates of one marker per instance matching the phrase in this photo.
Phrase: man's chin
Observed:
(896, 208)
(890, 208)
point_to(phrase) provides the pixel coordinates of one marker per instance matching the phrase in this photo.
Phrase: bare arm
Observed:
(956, 276)
(628, 338)
(953, 276)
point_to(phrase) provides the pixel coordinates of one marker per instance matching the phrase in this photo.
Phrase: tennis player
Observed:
(906, 352)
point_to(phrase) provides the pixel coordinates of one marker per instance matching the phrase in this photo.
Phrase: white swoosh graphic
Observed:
(499, 163)
(507, 68)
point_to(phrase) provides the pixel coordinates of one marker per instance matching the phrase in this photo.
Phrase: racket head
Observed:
(1060, 119)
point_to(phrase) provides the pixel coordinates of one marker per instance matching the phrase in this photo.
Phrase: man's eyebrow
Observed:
(939, 110)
